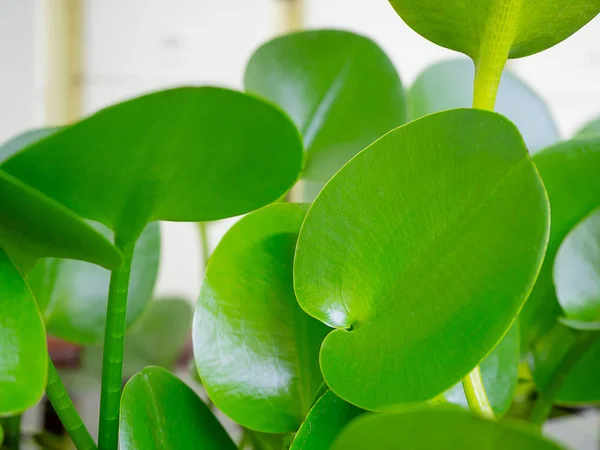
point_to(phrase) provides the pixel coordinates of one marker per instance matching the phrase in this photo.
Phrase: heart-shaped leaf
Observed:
(157, 339)
(339, 88)
(256, 350)
(438, 430)
(188, 154)
(72, 295)
(34, 226)
(570, 173)
(23, 354)
(449, 84)
(158, 411)
(326, 419)
(421, 251)
(479, 27)
(590, 129)
(500, 374)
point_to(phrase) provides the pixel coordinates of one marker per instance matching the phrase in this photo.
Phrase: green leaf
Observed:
(449, 84)
(570, 173)
(582, 325)
(1, 435)
(266, 441)
(577, 271)
(158, 411)
(438, 430)
(256, 350)
(339, 88)
(590, 129)
(421, 251)
(34, 226)
(23, 353)
(324, 422)
(24, 140)
(476, 27)
(500, 373)
(188, 154)
(581, 385)
(72, 295)
(157, 339)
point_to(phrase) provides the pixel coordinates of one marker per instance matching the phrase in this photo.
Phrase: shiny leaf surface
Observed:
(72, 295)
(188, 154)
(438, 430)
(449, 84)
(256, 350)
(421, 252)
(326, 419)
(23, 354)
(340, 89)
(158, 411)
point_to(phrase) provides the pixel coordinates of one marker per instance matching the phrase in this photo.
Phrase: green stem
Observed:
(204, 243)
(12, 432)
(548, 391)
(476, 395)
(112, 358)
(62, 404)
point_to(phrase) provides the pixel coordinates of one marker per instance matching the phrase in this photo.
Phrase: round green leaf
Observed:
(23, 353)
(339, 88)
(438, 430)
(156, 340)
(256, 350)
(449, 84)
(24, 140)
(500, 373)
(34, 226)
(324, 422)
(577, 271)
(158, 411)
(590, 129)
(570, 173)
(72, 295)
(421, 252)
(188, 154)
(472, 27)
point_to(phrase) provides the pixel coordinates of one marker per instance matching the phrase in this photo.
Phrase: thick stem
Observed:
(476, 395)
(12, 432)
(62, 404)
(548, 391)
(112, 359)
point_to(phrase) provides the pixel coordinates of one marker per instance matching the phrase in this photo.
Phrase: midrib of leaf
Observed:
(155, 412)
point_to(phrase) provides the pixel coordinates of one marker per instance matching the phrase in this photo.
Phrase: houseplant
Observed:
(367, 318)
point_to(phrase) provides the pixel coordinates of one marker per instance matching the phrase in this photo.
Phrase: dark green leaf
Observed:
(158, 411)
(157, 339)
(256, 350)
(340, 89)
(478, 27)
(421, 251)
(23, 354)
(590, 129)
(449, 84)
(72, 295)
(438, 430)
(324, 422)
(188, 154)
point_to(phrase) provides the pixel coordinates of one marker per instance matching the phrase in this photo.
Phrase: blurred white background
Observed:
(129, 47)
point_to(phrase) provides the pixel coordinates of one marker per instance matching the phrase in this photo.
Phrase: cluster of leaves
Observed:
(383, 306)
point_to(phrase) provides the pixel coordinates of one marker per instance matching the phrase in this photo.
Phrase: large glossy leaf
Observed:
(188, 154)
(438, 430)
(449, 84)
(421, 252)
(477, 27)
(72, 295)
(158, 411)
(256, 350)
(590, 129)
(341, 90)
(156, 340)
(34, 226)
(570, 173)
(23, 354)
(326, 419)
(500, 374)
(24, 140)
